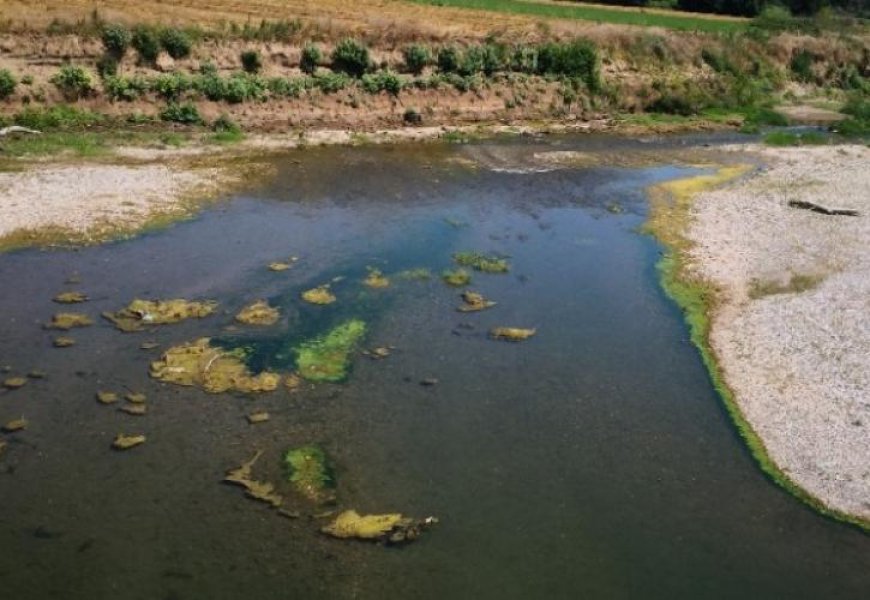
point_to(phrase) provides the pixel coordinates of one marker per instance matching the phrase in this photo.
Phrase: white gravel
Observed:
(798, 363)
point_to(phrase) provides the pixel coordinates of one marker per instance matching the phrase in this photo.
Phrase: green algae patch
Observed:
(327, 358)
(258, 313)
(141, 313)
(70, 298)
(320, 295)
(482, 262)
(456, 277)
(215, 370)
(67, 321)
(669, 220)
(376, 279)
(310, 473)
(473, 302)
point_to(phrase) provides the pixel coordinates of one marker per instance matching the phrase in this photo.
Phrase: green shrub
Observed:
(802, 65)
(116, 40)
(208, 68)
(73, 82)
(718, 62)
(577, 59)
(417, 58)
(243, 87)
(252, 62)
(412, 116)
(471, 61)
(448, 59)
(147, 44)
(281, 87)
(311, 57)
(494, 58)
(27, 80)
(764, 117)
(176, 43)
(329, 83)
(211, 86)
(7, 83)
(171, 86)
(125, 88)
(525, 60)
(186, 114)
(350, 57)
(787, 138)
(858, 123)
(224, 124)
(107, 66)
(382, 81)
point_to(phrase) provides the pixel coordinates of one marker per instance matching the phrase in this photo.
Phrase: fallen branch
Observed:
(17, 129)
(849, 212)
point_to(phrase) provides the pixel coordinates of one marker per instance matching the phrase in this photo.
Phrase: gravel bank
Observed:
(798, 362)
(93, 201)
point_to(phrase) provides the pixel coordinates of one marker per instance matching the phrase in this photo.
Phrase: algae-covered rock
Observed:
(310, 473)
(376, 279)
(457, 277)
(292, 382)
(474, 302)
(258, 490)
(258, 313)
(137, 410)
(379, 353)
(135, 397)
(70, 298)
(140, 313)
(511, 334)
(125, 442)
(13, 383)
(15, 425)
(36, 374)
(105, 397)
(66, 321)
(327, 358)
(63, 342)
(482, 262)
(392, 528)
(320, 295)
(215, 370)
(260, 416)
(279, 266)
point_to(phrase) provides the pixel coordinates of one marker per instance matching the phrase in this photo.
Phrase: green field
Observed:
(685, 21)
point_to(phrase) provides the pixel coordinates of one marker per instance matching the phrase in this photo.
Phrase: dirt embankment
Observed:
(791, 330)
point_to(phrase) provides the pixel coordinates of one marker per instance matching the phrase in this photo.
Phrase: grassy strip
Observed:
(597, 14)
(669, 220)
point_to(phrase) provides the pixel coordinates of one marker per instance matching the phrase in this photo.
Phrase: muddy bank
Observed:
(790, 328)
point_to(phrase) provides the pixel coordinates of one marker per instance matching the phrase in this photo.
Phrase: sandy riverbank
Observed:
(791, 327)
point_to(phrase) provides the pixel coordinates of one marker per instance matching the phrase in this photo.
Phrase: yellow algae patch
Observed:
(376, 279)
(140, 313)
(215, 370)
(63, 342)
(511, 334)
(15, 425)
(258, 490)
(125, 442)
(258, 313)
(319, 295)
(456, 278)
(392, 528)
(258, 417)
(66, 321)
(474, 302)
(13, 383)
(283, 265)
(70, 298)
(105, 397)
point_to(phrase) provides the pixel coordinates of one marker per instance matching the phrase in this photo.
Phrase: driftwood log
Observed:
(848, 212)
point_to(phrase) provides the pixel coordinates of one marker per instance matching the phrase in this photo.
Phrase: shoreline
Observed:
(763, 286)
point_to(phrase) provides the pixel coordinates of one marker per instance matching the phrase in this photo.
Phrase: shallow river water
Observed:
(592, 461)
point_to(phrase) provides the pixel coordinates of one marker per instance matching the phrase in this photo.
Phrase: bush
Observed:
(280, 87)
(147, 45)
(211, 86)
(525, 60)
(208, 68)
(224, 124)
(382, 81)
(7, 83)
(73, 82)
(311, 57)
(107, 66)
(448, 59)
(417, 58)
(718, 62)
(186, 114)
(471, 61)
(116, 40)
(242, 87)
(329, 83)
(171, 86)
(802, 65)
(577, 59)
(412, 116)
(494, 58)
(176, 43)
(350, 57)
(251, 61)
(124, 88)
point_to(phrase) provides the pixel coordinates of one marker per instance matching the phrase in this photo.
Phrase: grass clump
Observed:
(788, 138)
(226, 131)
(327, 358)
(350, 57)
(7, 83)
(417, 58)
(73, 82)
(116, 40)
(310, 60)
(482, 262)
(858, 123)
(185, 114)
(252, 62)
(382, 81)
(798, 283)
(58, 117)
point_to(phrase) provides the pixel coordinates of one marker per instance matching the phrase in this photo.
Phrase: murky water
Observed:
(593, 461)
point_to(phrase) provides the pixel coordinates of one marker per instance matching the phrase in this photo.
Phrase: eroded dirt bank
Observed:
(791, 330)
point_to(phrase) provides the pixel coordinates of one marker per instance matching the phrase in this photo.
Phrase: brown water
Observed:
(593, 461)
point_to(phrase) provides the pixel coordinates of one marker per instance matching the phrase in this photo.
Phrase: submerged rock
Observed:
(137, 410)
(474, 302)
(511, 334)
(258, 313)
(70, 298)
(135, 398)
(376, 279)
(310, 473)
(482, 262)
(457, 277)
(140, 313)
(320, 295)
(215, 370)
(258, 417)
(104, 397)
(15, 425)
(283, 266)
(63, 342)
(66, 321)
(327, 358)
(13, 383)
(125, 442)
(392, 528)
